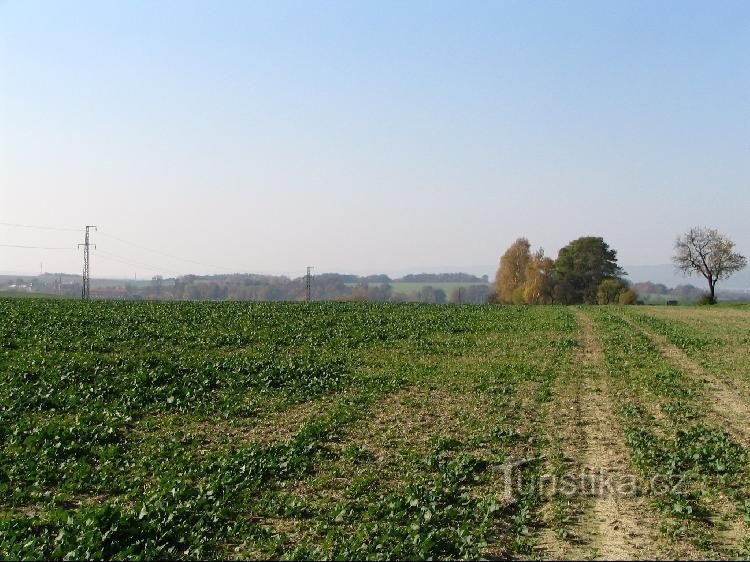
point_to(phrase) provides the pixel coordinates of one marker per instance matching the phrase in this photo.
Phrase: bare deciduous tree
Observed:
(709, 253)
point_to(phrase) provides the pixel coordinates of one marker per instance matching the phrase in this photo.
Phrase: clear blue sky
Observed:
(368, 137)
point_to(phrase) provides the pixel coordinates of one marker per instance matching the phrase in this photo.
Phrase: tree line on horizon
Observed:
(331, 286)
(586, 270)
(462, 288)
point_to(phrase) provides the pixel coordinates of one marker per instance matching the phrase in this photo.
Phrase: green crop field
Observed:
(364, 430)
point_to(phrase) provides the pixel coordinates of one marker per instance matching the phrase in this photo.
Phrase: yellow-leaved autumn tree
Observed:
(511, 275)
(537, 289)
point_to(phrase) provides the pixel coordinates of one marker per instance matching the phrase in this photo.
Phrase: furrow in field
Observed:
(607, 524)
(722, 340)
(704, 507)
(726, 403)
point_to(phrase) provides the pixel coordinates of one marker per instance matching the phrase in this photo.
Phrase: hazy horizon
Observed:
(366, 137)
(664, 274)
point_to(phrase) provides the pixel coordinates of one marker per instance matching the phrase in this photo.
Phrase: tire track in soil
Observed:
(726, 403)
(729, 410)
(608, 525)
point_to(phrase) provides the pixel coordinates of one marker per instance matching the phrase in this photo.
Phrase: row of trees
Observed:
(657, 293)
(585, 271)
(326, 286)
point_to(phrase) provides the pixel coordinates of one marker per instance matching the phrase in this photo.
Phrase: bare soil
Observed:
(606, 524)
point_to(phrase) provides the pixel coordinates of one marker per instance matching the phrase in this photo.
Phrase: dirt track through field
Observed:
(726, 403)
(606, 525)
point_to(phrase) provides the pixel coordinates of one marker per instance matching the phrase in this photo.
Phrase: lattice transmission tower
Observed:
(308, 284)
(86, 289)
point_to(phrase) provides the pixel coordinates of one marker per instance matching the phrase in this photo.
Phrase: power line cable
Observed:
(113, 257)
(34, 247)
(133, 244)
(36, 227)
(165, 254)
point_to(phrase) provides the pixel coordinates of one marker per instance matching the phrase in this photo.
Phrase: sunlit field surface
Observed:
(356, 430)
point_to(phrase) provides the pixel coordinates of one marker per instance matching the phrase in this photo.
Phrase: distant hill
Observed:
(666, 275)
(442, 278)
